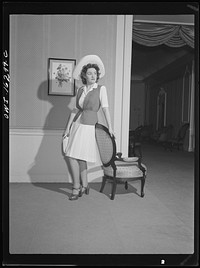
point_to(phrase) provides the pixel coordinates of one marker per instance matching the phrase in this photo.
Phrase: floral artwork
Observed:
(61, 81)
(63, 74)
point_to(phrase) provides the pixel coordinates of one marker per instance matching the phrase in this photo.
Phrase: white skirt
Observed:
(82, 143)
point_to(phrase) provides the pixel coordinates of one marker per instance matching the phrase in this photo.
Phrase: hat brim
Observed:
(93, 59)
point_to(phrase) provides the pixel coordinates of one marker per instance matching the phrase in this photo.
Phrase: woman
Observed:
(82, 147)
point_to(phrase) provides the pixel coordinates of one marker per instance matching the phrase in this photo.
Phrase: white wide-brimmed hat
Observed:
(93, 59)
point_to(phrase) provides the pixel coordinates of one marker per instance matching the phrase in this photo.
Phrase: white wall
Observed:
(34, 39)
(37, 120)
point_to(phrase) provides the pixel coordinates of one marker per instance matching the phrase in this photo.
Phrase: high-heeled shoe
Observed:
(75, 196)
(84, 190)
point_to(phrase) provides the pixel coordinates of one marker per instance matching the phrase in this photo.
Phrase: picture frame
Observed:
(60, 80)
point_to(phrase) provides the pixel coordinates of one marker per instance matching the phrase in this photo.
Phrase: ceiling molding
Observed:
(164, 22)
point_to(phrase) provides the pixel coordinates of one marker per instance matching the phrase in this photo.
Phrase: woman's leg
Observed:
(83, 172)
(75, 173)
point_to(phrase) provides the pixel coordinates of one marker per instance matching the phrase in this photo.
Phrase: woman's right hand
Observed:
(66, 134)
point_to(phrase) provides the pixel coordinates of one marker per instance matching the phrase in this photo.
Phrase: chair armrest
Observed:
(119, 156)
(129, 159)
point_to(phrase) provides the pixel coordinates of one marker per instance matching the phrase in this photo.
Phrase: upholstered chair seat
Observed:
(125, 170)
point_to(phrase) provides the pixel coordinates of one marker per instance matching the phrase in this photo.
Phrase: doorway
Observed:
(155, 63)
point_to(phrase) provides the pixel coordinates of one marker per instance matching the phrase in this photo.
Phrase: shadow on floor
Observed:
(66, 188)
(119, 191)
(55, 187)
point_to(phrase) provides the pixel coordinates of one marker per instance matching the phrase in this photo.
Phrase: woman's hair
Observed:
(84, 71)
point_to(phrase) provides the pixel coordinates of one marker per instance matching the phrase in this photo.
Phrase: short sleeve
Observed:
(103, 97)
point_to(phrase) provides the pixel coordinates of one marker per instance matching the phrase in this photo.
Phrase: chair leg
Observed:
(103, 184)
(142, 187)
(171, 147)
(166, 145)
(140, 152)
(179, 146)
(113, 190)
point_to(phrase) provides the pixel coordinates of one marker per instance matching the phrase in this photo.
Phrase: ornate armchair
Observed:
(178, 141)
(162, 135)
(135, 147)
(117, 169)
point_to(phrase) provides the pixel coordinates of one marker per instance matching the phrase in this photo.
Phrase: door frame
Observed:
(123, 82)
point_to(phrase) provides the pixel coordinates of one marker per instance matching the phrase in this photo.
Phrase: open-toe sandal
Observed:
(84, 190)
(75, 196)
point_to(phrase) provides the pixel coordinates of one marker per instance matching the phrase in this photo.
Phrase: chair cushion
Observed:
(125, 170)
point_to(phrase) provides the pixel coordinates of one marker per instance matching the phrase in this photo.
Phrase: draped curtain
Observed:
(155, 34)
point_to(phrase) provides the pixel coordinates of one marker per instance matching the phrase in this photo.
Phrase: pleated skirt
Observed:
(82, 143)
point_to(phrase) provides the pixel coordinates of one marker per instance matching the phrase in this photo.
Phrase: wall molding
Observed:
(35, 132)
(164, 22)
(35, 155)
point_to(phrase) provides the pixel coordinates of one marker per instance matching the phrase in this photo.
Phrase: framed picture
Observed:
(60, 80)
